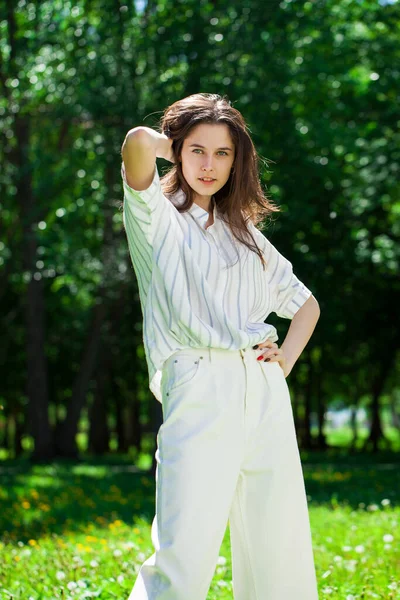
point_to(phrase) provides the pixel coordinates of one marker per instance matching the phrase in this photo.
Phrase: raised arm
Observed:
(141, 147)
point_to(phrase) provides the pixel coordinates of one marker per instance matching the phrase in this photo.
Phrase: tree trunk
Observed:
(321, 410)
(308, 388)
(67, 430)
(36, 381)
(376, 432)
(99, 433)
(119, 414)
(19, 431)
(353, 423)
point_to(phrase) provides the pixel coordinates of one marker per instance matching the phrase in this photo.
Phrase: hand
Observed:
(275, 354)
(164, 148)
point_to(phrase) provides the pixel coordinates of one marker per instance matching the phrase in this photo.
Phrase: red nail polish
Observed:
(260, 357)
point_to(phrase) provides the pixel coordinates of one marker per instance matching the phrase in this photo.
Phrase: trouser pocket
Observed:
(181, 369)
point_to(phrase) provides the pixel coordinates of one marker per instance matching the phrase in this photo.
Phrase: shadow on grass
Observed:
(340, 477)
(38, 500)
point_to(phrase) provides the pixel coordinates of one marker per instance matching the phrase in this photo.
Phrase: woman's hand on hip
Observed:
(272, 353)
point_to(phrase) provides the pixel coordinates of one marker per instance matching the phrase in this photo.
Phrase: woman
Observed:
(208, 278)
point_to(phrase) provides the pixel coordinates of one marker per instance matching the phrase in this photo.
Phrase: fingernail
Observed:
(260, 357)
(255, 347)
(266, 360)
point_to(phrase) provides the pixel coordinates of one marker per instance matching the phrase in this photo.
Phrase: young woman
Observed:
(208, 278)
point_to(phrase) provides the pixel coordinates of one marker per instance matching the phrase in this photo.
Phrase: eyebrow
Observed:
(200, 146)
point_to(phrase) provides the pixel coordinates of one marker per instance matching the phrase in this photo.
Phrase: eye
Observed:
(196, 149)
(223, 152)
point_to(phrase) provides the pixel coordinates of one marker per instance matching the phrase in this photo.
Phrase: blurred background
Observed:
(317, 82)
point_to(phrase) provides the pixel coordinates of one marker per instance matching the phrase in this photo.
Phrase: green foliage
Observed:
(317, 83)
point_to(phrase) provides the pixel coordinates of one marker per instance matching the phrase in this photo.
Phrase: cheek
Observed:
(187, 168)
(227, 170)
(187, 164)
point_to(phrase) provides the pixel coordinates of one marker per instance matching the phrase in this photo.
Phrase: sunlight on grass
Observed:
(76, 530)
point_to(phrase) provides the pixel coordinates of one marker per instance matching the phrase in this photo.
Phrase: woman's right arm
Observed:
(141, 147)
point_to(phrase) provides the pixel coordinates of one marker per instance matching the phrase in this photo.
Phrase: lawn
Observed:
(82, 529)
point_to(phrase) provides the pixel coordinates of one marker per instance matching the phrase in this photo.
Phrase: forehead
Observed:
(210, 134)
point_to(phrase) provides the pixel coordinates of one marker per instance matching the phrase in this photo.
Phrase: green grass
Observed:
(82, 529)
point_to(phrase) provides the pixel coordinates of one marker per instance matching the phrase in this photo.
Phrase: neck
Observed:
(206, 202)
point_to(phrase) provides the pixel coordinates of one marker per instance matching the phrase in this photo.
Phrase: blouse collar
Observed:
(200, 214)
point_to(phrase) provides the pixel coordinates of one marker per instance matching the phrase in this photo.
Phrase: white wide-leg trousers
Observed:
(227, 450)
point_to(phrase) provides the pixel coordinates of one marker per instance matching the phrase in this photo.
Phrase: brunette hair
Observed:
(241, 199)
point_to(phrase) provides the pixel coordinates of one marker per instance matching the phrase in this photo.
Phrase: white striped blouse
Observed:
(200, 287)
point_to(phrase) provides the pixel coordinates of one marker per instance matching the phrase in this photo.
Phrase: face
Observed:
(207, 152)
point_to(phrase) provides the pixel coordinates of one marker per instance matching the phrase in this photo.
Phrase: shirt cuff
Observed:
(301, 295)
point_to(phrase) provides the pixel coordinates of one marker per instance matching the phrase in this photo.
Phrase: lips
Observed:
(206, 180)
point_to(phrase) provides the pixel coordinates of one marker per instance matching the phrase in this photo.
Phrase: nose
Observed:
(207, 164)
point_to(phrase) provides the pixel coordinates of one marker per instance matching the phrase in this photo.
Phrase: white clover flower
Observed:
(94, 563)
(346, 548)
(385, 502)
(117, 552)
(71, 585)
(338, 558)
(387, 547)
(372, 507)
(388, 538)
(81, 583)
(359, 549)
(350, 597)
(392, 586)
(120, 578)
(327, 590)
(351, 565)
(60, 575)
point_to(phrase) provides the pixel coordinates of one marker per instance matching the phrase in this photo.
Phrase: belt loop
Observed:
(206, 354)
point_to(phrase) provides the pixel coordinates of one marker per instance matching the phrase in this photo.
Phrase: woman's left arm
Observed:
(300, 331)
(301, 327)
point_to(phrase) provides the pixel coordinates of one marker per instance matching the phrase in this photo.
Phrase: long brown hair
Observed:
(241, 198)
